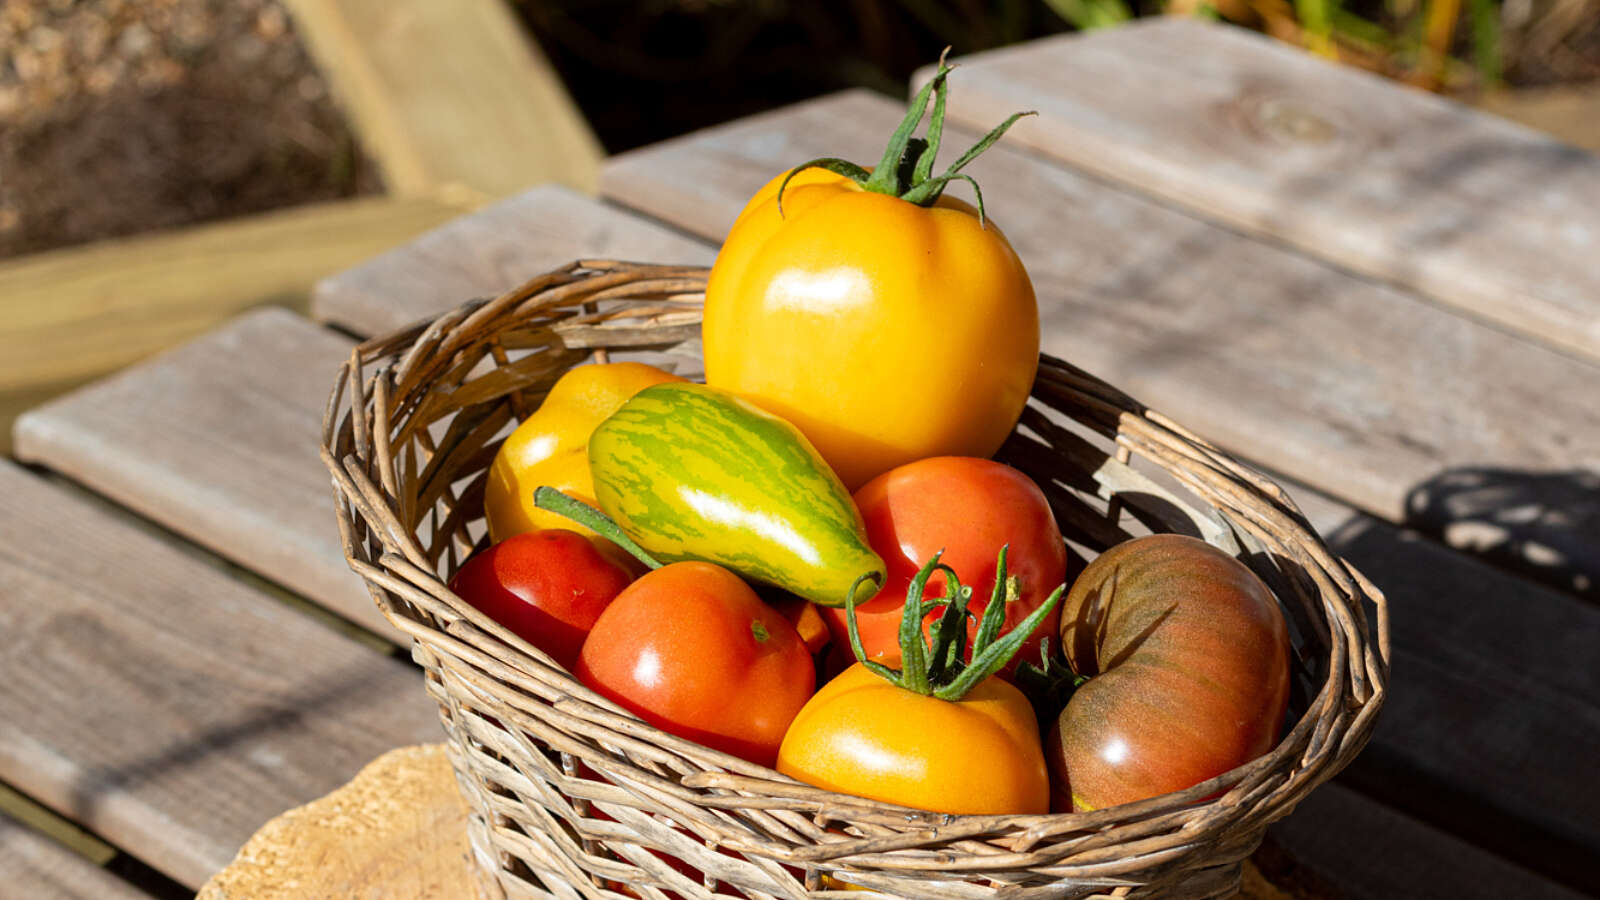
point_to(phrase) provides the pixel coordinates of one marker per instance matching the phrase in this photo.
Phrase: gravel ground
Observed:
(124, 116)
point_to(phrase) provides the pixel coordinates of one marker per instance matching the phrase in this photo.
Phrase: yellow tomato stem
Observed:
(938, 670)
(925, 157)
(999, 653)
(885, 177)
(906, 170)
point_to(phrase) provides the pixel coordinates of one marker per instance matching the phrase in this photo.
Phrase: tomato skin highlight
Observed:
(548, 587)
(864, 736)
(1188, 655)
(871, 289)
(692, 650)
(969, 508)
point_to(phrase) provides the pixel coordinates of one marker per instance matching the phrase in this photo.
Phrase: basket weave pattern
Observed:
(573, 797)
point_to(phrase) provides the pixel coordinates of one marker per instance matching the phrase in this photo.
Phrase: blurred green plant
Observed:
(1087, 15)
(1411, 40)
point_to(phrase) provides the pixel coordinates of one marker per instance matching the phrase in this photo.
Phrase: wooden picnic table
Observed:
(1386, 300)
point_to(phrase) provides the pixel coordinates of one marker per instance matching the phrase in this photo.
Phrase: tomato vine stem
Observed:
(937, 667)
(906, 169)
(547, 497)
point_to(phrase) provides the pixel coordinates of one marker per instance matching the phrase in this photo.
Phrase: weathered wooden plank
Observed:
(79, 312)
(449, 93)
(1479, 213)
(164, 705)
(491, 251)
(217, 440)
(33, 866)
(1358, 389)
(1492, 722)
(1345, 846)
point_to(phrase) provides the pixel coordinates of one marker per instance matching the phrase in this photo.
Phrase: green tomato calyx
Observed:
(936, 665)
(906, 170)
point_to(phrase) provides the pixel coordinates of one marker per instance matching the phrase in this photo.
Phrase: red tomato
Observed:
(1188, 658)
(547, 586)
(969, 508)
(692, 650)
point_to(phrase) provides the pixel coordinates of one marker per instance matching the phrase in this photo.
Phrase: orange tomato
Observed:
(863, 735)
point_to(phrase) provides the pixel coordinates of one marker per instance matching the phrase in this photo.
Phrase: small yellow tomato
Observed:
(930, 735)
(865, 736)
(551, 447)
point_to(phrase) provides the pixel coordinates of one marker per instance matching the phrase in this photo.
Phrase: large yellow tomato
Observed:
(551, 446)
(863, 735)
(887, 321)
(885, 331)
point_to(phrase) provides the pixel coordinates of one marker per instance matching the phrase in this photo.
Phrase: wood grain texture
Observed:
(398, 829)
(217, 440)
(446, 93)
(1492, 722)
(491, 251)
(1342, 846)
(33, 866)
(1360, 390)
(1474, 211)
(162, 704)
(79, 312)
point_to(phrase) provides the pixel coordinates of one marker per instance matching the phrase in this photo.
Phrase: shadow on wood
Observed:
(1532, 522)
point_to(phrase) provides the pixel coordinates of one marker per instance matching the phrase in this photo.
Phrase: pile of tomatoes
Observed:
(824, 511)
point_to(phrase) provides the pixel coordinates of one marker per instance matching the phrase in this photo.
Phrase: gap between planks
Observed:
(48, 870)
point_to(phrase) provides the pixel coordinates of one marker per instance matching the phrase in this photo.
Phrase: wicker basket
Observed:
(573, 797)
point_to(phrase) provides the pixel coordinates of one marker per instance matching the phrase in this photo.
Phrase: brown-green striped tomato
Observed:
(1188, 658)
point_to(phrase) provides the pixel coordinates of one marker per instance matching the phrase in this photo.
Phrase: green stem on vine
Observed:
(937, 668)
(906, 169)
(548, 498)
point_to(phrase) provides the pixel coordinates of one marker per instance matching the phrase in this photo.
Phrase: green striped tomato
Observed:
(694, 472)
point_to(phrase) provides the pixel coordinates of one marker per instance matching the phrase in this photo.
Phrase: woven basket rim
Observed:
(375, 398)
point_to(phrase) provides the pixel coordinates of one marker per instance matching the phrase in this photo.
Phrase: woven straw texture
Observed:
(574, 797)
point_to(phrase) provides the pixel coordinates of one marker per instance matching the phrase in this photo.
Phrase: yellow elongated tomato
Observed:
(887, 321)
(863, 735)
(551, 446)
